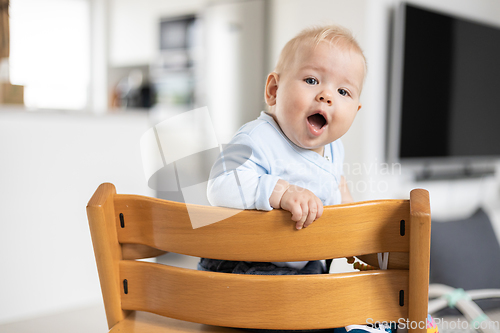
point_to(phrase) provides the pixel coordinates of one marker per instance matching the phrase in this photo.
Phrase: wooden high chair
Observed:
(148, 297)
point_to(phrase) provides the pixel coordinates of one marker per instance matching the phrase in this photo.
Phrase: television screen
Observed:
(446, 78)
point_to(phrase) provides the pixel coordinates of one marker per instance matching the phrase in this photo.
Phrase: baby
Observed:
(291, 156)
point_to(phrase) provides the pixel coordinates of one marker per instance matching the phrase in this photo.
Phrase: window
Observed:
(50, 52)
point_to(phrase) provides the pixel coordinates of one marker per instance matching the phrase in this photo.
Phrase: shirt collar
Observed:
(321, 161)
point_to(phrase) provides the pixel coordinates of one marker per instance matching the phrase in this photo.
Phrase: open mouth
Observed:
(317, 121)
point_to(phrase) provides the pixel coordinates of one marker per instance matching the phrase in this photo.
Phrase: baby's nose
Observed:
(324, 97)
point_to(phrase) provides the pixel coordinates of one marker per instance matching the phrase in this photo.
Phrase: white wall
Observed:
(51, 163)
(99, 49)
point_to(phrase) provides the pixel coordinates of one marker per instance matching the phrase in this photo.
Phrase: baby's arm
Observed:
(302, 203)
(241, 178)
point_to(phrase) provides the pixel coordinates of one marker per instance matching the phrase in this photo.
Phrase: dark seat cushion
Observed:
(466, 254)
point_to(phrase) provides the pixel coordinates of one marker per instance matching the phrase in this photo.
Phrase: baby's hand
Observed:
(303, 204)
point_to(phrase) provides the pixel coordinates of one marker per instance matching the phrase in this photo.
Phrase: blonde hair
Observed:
(336, 35)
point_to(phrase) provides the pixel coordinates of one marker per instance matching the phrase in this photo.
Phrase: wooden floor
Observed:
(85, 320)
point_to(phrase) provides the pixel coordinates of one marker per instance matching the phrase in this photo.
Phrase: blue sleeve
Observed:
(240, 177)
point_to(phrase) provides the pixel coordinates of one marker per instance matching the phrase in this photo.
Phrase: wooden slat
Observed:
(343, 230)
(107, 250)
(267, 302)
(420, 225)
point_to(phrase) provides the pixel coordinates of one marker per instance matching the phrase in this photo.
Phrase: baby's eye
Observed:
(311, 81)
(343, 92)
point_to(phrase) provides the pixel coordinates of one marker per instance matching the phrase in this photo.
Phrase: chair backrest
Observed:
(128, 227)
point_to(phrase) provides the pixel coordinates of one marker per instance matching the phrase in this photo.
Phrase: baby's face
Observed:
(317, 98)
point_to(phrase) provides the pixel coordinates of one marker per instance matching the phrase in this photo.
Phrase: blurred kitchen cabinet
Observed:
(229, 76)
(133, 28)
(175, 75)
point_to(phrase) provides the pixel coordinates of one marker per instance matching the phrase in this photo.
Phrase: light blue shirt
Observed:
(260, 154)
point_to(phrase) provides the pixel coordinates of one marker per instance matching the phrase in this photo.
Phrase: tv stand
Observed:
(452, 172)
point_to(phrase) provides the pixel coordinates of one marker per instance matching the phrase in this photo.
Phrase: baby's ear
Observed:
(271, 88)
